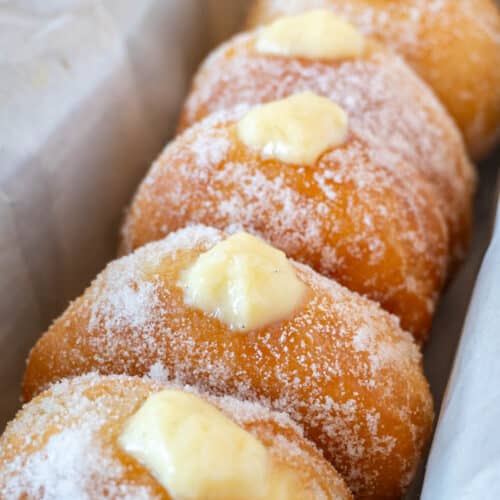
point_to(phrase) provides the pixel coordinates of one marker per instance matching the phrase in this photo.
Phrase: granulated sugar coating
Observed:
(64, 444)
(359, 215)
(387, 104)
(454, 45)
(340, 366)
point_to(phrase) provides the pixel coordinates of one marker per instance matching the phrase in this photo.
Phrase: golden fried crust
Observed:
(74, 428)
(340, 365)
(454, 45)
(360, 215)
(387, 104)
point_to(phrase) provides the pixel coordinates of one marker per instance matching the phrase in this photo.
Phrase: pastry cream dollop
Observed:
(197, 453)
(244, 282)
(317, 34)
(296, 130)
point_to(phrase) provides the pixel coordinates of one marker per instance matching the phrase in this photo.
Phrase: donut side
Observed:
(359, 215)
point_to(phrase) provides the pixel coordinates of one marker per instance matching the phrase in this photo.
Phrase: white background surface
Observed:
(465, 458)
(89, 93)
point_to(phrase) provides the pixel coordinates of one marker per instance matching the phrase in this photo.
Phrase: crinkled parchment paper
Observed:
(89, 94)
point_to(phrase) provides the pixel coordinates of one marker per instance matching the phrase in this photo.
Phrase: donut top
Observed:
(59, 444)
(243, 282)
(318, 34)
(296, 130)
(377, 18)
(176, 434)
(374, 90)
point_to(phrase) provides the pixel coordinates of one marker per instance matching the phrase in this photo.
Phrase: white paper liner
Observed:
(465, 458)
(89, 94)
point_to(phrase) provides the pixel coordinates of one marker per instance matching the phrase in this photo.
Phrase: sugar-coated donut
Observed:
(339, 365)
(454, 45)
(360, 214)
(387, 103)
(65, 444)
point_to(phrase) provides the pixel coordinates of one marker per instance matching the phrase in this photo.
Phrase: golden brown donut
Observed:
(339, 365)
(65, 444)
(387, 104)
(360, 215)
(454, 45)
